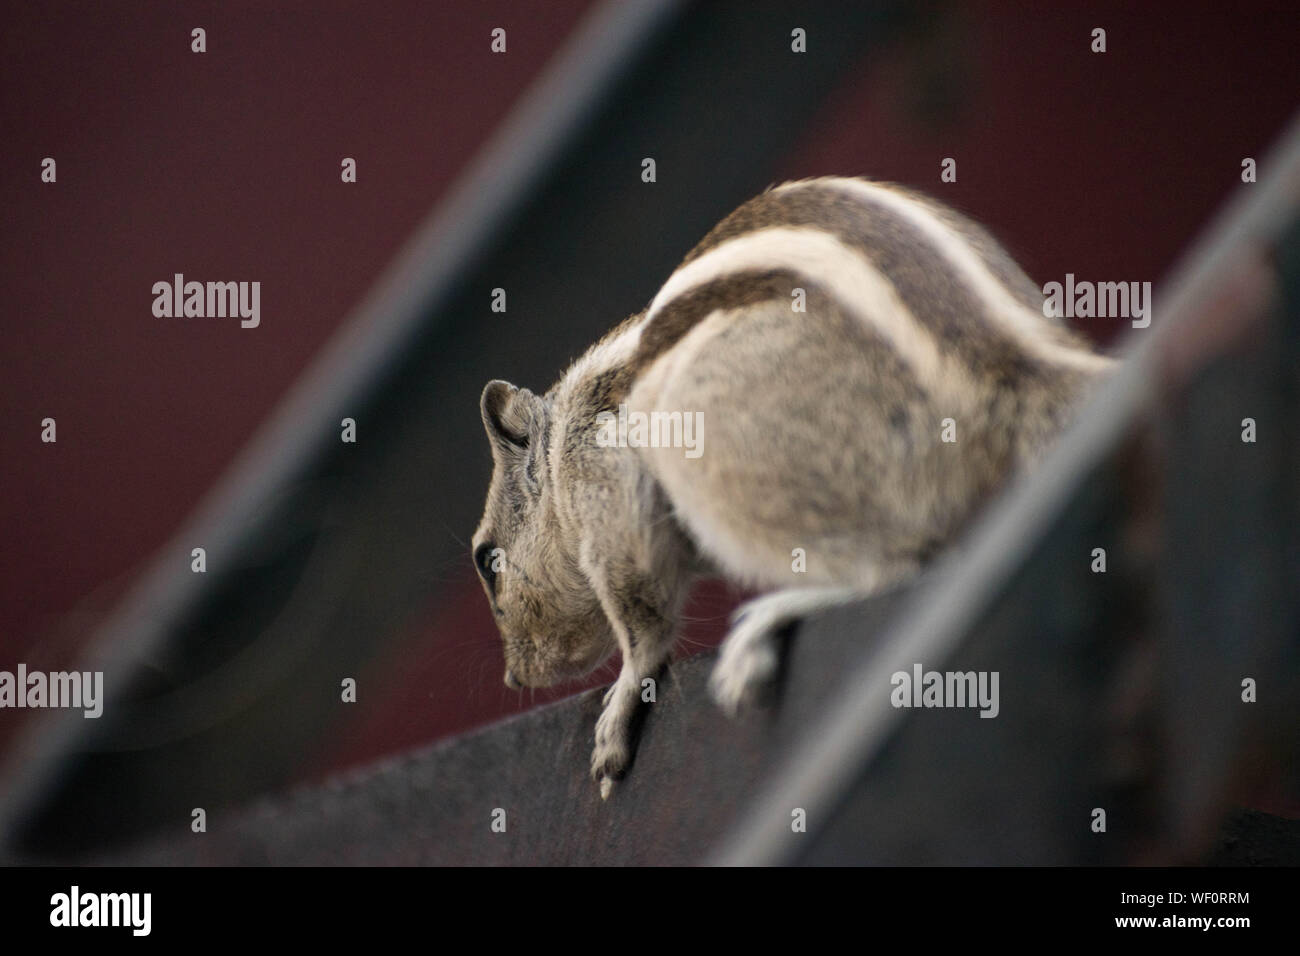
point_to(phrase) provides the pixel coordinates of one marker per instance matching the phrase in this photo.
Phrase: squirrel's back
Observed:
(865, 365)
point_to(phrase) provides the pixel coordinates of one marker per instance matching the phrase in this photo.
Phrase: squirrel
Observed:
(813, 405)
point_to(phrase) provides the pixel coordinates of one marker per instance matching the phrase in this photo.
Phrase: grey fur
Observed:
(820, 438)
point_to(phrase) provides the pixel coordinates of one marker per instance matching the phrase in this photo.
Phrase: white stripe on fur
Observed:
(854, 282)
(1030, 330)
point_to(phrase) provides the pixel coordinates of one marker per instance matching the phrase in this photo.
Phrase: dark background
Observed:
(226, 166)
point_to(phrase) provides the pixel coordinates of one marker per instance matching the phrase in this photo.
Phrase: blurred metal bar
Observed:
(1113, 691)
(355, 363)
(859, 725)
(318, 555)
(1097, 679)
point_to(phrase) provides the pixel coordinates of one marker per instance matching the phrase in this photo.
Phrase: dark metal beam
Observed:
(1020, 598)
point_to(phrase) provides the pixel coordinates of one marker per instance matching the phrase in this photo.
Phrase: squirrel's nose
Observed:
(511, 681)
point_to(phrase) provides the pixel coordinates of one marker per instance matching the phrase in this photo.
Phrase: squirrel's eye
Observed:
(483, 560)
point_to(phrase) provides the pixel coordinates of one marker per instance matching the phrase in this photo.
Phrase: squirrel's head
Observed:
(552, 625)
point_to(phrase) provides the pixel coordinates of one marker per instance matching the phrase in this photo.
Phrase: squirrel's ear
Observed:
(510, 414)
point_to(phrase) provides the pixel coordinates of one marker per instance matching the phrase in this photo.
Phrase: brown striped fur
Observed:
(821, 435)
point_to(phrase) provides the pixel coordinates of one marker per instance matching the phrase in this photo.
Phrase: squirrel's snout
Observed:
(511, 681)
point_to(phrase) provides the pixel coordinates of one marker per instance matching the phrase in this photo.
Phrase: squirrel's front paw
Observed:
(610, 757)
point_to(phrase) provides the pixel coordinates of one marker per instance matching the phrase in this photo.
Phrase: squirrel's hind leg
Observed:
(750, 657)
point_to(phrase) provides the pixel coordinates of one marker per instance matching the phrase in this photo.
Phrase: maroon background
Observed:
(226, 166)
(222, 166)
